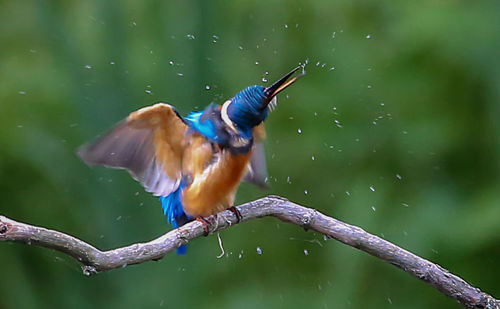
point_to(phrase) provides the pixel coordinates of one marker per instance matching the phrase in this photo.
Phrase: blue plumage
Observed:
(248, 109)
(203, 126)
(172, 208)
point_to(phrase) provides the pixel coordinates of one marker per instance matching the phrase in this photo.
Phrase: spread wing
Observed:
(257, 170)
(148, 143)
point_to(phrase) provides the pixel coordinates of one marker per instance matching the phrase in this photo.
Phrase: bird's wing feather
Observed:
(148, 143)
(257, 170)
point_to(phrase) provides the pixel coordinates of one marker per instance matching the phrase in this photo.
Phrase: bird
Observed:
(194, 164)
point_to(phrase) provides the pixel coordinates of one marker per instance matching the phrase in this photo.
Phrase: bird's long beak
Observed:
(282, 84)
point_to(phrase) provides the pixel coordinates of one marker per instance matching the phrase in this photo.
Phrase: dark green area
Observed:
(414, 157)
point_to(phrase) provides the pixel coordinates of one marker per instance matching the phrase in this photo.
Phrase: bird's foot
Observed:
(237, 213)
(206, 225)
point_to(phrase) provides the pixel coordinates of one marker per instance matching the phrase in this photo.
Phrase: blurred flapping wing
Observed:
(149, 143)
(257, 169)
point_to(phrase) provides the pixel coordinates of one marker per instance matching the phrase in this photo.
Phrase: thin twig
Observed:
(221, 246)
(95, 261)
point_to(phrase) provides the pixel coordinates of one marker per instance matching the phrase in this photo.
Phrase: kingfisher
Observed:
(194, 163)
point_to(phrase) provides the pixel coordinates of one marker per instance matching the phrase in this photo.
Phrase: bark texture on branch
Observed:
(95, 260)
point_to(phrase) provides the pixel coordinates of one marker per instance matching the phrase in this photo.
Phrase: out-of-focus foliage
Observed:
(395, 128)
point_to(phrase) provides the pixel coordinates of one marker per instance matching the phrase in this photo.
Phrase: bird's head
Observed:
(249, 107)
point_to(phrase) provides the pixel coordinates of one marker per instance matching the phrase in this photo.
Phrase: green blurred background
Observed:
(394, 128)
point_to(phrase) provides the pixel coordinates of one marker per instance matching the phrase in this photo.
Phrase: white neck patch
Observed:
(225, 116)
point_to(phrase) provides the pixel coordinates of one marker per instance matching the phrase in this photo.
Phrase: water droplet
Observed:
(368, 36)
(180, 74)
(306, 253)
(331, 69)
(405, 132)
(148, 91)
(22, 92)
(286, 26)
(372, 188)
(88, 66)
(256, 63)
(190, 36)
(207, 87)
(118, 218)
(405, 205)
(259, 250)
(264, 79)
(240, 47)
(369, 86)
(399, 176)
(382, 103)
(347, 192)
(373, 208)
(171, 62)
(312, 158)
(241, 254)
(306, 192)
(299, 131)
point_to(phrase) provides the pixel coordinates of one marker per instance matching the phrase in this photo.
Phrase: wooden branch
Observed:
(95, 261)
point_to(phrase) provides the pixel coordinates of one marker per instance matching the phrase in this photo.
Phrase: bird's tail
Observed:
(172, 208)
(181, 250)
(180, 221)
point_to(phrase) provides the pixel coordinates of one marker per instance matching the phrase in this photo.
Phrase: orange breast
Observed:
(214, 179)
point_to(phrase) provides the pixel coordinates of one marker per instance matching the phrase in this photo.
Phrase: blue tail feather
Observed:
(181, 250)
(172, 208)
